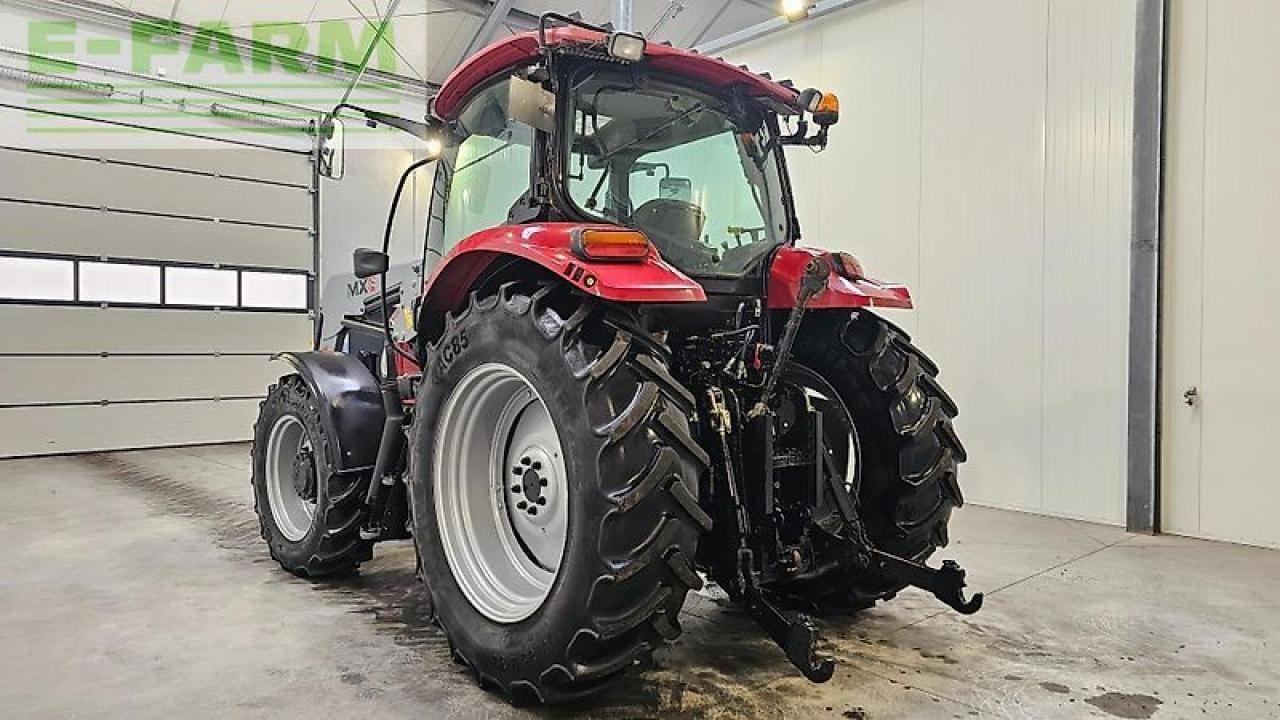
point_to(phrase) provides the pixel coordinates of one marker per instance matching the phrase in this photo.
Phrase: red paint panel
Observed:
(523, 48)
(651, 280)
(788, 267)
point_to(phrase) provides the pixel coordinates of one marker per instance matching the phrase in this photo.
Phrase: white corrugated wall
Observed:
(983, 158)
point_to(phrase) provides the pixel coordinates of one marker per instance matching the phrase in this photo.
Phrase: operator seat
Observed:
(674, 226)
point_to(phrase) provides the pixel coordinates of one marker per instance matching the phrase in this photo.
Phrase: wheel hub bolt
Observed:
(529, 483)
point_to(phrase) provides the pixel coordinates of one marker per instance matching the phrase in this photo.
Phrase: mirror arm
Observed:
(386, 247)
(421, 130)
(801, 137)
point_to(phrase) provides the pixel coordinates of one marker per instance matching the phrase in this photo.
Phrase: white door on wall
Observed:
(1221, 381)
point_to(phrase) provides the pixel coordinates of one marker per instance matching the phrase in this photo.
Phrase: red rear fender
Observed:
(788, 267)
(650, 280)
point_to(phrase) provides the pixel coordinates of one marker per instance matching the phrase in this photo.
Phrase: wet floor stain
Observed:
(722, 668)
(1126, 705)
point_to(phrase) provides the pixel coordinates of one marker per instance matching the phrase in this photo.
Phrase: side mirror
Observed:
(332, 147)
(369, 262)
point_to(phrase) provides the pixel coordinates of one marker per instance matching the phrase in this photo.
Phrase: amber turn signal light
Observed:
(827, 111)
(592, 244)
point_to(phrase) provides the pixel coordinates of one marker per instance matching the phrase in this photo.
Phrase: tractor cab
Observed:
(572, 124)
(697, 172)
(547, 140)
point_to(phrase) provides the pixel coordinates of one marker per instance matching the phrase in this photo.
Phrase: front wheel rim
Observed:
(501, 492)
(291, 477)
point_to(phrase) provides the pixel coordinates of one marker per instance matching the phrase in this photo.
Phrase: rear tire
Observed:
(630, 487)
(314, 530)
(909, 451)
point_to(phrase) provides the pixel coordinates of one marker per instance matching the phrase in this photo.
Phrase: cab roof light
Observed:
(611, 245)
(628, 47)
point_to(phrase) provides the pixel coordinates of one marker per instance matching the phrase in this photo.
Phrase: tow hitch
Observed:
(946, 583)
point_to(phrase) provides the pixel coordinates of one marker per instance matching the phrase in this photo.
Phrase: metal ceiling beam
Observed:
(516, 17)
(497, 16)
(773, 25)
(674, 8)
(378, 34)
(621, 15)
(701, 31)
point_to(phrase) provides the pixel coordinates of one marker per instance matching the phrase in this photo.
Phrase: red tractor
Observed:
(624, 379)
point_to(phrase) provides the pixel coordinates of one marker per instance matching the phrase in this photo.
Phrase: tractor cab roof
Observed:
(522, 49)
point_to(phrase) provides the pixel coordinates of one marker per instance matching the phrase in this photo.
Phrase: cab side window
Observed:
(484, 171)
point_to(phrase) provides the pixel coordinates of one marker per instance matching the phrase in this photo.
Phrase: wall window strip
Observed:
(42, 279)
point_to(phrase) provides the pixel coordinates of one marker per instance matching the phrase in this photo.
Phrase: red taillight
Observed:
(591, 244)
(848, 266)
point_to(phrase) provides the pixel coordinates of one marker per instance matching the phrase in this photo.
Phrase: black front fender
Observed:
(350, 403)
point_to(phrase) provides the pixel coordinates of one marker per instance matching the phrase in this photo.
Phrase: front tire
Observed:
(551, 379)
(308, 513)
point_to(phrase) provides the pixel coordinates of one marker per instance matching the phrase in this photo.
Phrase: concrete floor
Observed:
(134, 585)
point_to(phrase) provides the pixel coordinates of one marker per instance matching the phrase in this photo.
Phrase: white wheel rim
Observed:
(850, 470)
(289, 445)
(853, 450)
(501, 492)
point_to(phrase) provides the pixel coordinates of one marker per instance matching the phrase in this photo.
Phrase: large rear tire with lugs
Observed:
(908, 451)
(309, 513)
(554, 489)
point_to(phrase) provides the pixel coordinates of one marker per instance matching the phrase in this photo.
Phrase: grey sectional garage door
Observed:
(142, 292)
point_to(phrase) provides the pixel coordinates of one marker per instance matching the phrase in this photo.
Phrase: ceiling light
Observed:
(796, 9)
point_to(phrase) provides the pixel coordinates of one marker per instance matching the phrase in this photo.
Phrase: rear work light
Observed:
(610, 245)
(628, 47)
